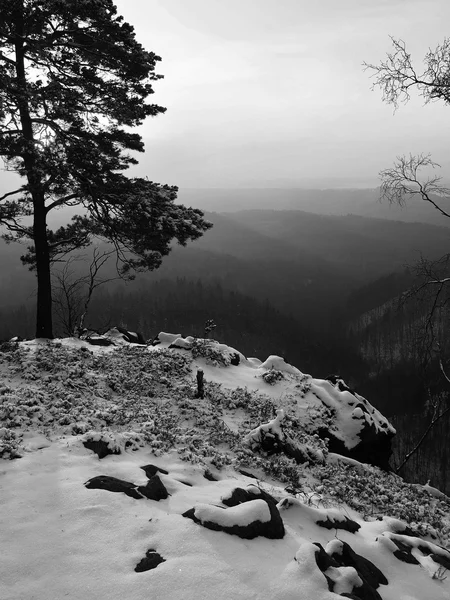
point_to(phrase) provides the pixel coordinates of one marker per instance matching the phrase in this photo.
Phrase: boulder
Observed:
(357, 430)
(250, 513)
(375, 447)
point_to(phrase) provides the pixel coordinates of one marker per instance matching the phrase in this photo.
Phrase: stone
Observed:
(441, 559)
(209, 476)
(151, 470)
(100, 447)
(150, 561)
(273, 529)
(99, 341)
(323, 560)
(235, 359)
(404, 553)
(240, 495)
(366, 569)
(154, 489)
(131, 336)
(165, 338)
(370, 575)
(339, 383)
(112, 484)
(346, 524)
(181, 344)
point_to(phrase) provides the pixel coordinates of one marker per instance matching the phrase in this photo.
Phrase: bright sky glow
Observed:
(273, 92)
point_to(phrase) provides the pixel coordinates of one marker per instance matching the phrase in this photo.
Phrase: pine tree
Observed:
(73, 82)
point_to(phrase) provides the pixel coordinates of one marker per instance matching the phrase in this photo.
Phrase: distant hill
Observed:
(304, 264)
(363, 202)
(365, 247)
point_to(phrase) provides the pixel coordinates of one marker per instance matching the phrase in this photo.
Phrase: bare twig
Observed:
(437, 416)
(73, 295)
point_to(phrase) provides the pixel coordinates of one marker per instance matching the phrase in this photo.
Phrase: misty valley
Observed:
(316, 277)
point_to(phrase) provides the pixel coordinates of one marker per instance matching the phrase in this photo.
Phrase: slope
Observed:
(200, 510)
(367, 248)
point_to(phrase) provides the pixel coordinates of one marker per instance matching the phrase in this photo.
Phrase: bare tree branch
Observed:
(97, 263)
(64, 200)
(73, 294)
(402, 181)
(396, 75)
(436, 417)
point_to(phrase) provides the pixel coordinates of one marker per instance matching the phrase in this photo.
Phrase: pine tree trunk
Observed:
(44, 292)
(44, 326)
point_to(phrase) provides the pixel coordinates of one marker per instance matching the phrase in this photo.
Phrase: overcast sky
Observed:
(272, 92)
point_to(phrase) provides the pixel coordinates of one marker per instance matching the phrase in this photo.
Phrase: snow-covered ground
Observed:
(61, 539)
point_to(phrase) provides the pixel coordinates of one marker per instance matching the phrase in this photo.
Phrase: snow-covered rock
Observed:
(254, 515)
(279, 364)
(354, 427)
(182, 343)
(165, 339)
